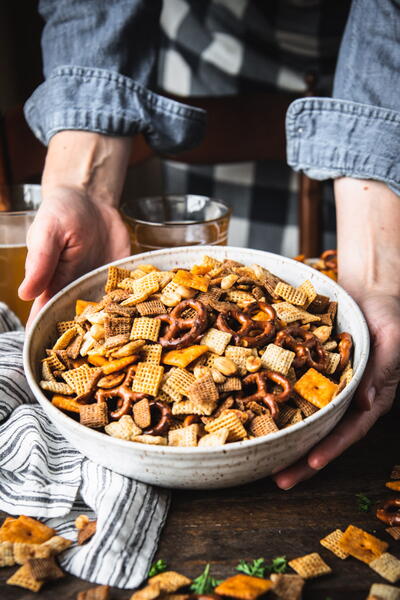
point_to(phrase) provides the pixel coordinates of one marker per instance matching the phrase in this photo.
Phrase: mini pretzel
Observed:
(330, 259)
(251, 334)
(390, 512)
(173, 337)
(262, 394)
(125, 398)
(288, 338)
(164, 419)
(344, 346)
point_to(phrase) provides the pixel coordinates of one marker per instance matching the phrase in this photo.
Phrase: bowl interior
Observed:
(91, 287)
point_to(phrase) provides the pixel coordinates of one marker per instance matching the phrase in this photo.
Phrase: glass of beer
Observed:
(157, 222)
(18, 205)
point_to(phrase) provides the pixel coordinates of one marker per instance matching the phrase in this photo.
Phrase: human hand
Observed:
(78, 226)
(369, 251)
(71, 235)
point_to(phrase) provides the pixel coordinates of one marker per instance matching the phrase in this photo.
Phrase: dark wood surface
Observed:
(223, 526)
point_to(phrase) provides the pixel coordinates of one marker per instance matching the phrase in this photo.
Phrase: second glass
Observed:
(176, 220)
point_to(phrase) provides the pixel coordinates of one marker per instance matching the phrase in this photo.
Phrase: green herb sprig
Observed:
(204, 583)
(255, 569)
(363, 502)
(157, 567)
(278, 565)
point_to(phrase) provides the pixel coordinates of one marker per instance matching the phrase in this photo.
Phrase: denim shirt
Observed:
(98, 63)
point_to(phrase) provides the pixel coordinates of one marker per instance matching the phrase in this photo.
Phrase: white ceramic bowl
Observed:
(235, 463)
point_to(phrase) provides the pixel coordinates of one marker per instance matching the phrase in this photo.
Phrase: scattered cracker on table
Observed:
(170, 581)
(382, 591)
(287, 587)
(331, 542)
(100, 592)
(23, 578)
(362, 545)
(243, 587)
(310, 566)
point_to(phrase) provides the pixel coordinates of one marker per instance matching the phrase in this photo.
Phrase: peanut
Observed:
(199, 371)
(81, 521)
(185, 292)
(171, 299)
(97, 331)
(253, 364)
(225, 365)
(217, 376)
(228, 281)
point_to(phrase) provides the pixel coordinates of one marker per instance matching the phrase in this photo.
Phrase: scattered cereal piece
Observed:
(24, 551)
(216, 340)
(7, 558)
(331, 542)
(114, 276)
(149, 592)
(287, 587)
(145, 328)
(291, 294)
(381, 591)
(231, 421)
(185, 437)
(44, 569)
(310, 566)
(361, 545)
(124, 429)
(23, 578)
(152, 440)
(141, 413)
(94, 415)
(386, 565)
(244, 587)
(213, 440)
(151, 353)
(394, 532)
(169, 581)
(277, 359)
(263, 425)
(87, 532)
(100, 592)
(147, 378)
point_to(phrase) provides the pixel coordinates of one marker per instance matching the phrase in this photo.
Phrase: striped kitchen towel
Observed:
(42, 476)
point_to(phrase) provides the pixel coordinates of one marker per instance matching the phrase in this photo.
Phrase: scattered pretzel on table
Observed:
(219, 353)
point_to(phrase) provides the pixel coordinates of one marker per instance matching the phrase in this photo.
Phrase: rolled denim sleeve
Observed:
(98, 65)
(357, 132)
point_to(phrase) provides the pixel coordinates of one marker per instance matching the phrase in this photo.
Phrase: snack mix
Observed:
(203, 357)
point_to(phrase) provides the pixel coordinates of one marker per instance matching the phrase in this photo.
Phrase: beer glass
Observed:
(18, 209)
(168, 221)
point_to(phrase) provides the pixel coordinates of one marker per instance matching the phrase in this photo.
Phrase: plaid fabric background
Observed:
(227, 47)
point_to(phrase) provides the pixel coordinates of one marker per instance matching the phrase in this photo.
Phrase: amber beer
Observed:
(169, 221)
(14, 225)
(12, 270)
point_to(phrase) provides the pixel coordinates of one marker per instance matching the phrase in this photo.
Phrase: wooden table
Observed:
(223, 526)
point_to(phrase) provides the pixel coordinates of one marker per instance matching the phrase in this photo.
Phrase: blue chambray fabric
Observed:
(357, 133)
(99, 62)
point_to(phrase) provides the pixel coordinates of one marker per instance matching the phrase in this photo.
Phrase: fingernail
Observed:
(371, 397)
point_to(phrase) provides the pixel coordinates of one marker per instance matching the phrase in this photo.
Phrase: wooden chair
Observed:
(22, 156)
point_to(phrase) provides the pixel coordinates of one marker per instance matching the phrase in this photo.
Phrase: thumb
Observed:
(382, 371)
(44, 249)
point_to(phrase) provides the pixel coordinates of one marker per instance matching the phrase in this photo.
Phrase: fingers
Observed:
(289, 477)
(36, 307)
(44, 249)
(382, 371)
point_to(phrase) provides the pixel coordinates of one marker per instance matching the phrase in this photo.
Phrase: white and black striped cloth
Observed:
(41, 475)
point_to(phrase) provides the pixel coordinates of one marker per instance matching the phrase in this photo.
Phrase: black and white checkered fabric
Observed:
(42, 476)
(229, 47)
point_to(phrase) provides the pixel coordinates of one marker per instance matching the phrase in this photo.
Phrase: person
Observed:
(99, 63)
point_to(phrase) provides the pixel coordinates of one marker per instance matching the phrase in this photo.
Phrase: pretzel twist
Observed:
(260, 379)
(125, 398)
(389, 513)
(330, 259)
(194, 327)
(345, 346)
(309, 350)
(251, 334)
(164, 418)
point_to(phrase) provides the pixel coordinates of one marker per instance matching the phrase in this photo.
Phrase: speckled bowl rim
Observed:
(364, 340)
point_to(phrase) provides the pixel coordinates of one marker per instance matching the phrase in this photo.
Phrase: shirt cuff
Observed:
(329, 138)
(106, 102)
